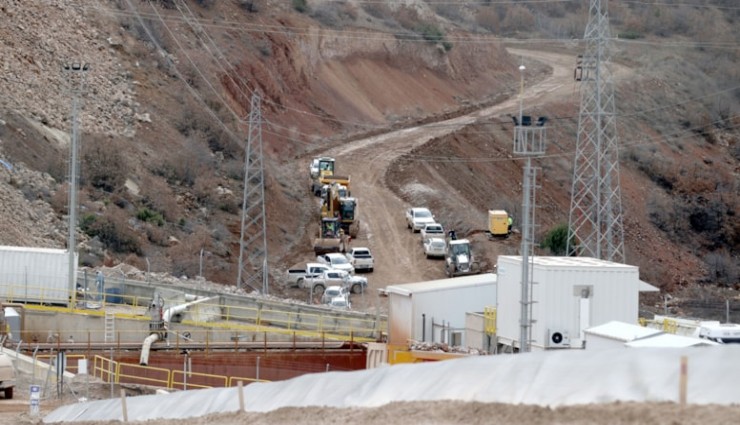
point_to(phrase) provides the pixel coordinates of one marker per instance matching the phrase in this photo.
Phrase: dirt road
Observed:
(398, 253)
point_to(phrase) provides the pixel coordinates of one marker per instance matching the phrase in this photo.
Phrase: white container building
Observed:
(37, 275)
(569, 295)
(434, 311)
(615, 334)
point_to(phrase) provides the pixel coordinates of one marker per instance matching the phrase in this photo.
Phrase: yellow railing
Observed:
(489, 319)
(161, 377)
(182, 379)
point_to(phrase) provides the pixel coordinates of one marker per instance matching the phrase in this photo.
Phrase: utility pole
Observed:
(76, 73)
(595, 225)
(529, 141)
(253, 240)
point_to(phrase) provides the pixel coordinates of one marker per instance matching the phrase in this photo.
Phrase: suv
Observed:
(361, 259)
(432, 230)
(417, 218)
(332, 292)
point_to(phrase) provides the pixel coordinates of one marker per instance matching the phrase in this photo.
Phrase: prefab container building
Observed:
(434, 311)
(36, 275)
(615, 334)
(568, 295)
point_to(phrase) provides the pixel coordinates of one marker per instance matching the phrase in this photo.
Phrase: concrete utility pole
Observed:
(253, 241)
(595, 227)
(76, 73)
(529, 141)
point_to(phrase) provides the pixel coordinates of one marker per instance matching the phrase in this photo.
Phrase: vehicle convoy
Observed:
(417, 218)
(354, 284)
(7, 375)
(361, 259)
(435, 247)
(338, 203)
(459, 258)
(432, 230)
(331, 237)
(300, 277)
(336, 261)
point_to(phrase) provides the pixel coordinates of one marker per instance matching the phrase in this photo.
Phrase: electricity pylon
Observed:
(595, 227)
(253, 241)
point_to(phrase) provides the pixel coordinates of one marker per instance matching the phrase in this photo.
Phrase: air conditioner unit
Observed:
(557, 338)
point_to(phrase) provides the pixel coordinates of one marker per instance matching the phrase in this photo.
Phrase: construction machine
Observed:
(338, 203)
(498, 224)
(459, 257)
(332, 237)
(322, 174)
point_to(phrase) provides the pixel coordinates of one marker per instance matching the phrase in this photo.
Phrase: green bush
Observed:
(112, 232)
(556, 240)
(629, 35)
(300, 6)
(149, 216)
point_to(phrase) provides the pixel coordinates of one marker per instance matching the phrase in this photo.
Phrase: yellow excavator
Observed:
(338, 203)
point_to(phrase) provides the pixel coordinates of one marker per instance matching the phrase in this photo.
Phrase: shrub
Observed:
(250, 6)
(721, 268)
(377, 9)
(300, 6)
(102, 165)
(149, 216)
(556, 240)
(112, 231)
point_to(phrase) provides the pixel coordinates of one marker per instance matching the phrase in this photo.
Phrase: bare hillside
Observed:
(164, 111)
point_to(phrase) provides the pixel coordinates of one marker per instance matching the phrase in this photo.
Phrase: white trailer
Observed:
(35, 275)
(568, 295)
(434, 311)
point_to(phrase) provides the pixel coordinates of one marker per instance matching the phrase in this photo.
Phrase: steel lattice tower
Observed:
(253, 242)
(595, 225)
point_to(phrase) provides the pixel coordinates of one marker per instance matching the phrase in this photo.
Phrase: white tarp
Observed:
(550, 378)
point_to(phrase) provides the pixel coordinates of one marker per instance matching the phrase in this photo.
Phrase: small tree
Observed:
(556, 240)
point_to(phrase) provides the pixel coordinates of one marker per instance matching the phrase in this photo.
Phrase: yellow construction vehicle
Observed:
(322, 174)
(331, 237)
(338, 203)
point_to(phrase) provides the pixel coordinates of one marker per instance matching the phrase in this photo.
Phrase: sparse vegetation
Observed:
(300, 6)
(556, 240)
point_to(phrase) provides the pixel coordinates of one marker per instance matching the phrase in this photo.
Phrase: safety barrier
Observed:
(185, 379)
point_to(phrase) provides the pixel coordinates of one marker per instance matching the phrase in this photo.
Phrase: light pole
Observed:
(76, 74)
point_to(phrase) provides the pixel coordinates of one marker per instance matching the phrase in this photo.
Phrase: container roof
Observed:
(569, 262)
(442, 284)
(622, 331)
(31, 249)
(669, 341)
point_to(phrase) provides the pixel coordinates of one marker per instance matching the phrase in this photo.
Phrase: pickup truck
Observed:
(416, 218)
(432, 230)
(355, 284)
(298, 277)
(337, 261)
(361, 259)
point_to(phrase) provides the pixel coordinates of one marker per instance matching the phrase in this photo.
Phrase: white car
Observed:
(337, 261)
(332, 292)
(340, 303)
(361, 259)
(417, 218)
(432, 230)
(435, 247)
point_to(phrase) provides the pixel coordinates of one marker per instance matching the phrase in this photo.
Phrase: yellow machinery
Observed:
(331, 237)
(338, 203)
(498, 223)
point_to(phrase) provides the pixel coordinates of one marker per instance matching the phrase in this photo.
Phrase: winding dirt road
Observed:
(398, 254)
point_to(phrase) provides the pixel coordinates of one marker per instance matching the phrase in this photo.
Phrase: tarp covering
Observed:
(549, 378)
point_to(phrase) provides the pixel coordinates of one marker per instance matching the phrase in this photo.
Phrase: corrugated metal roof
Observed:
(669, 341)
(579, 262)
(621, 331)
(442, 284)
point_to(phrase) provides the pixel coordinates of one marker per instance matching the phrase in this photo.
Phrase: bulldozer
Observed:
(331, 237)
(459, 258)
(322, 174)
(338, 203)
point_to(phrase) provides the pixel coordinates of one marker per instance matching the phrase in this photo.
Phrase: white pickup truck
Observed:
(416, 218)
(301, 277)
(361, 259)
(337, 261)
(355, 284)
(432, 230)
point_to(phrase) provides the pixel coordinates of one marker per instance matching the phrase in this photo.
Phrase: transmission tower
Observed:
(595, 226)
(253, 270)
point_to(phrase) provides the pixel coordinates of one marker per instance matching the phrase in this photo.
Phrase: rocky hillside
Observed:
(164, 106)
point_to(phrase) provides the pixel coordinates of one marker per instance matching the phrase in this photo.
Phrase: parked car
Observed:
(336, 260)
(435, 247)
(417, 218)
(361, 259)
(332, 277)
(332, 292)
(299, 277)
(340, 303)
(432, 230)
